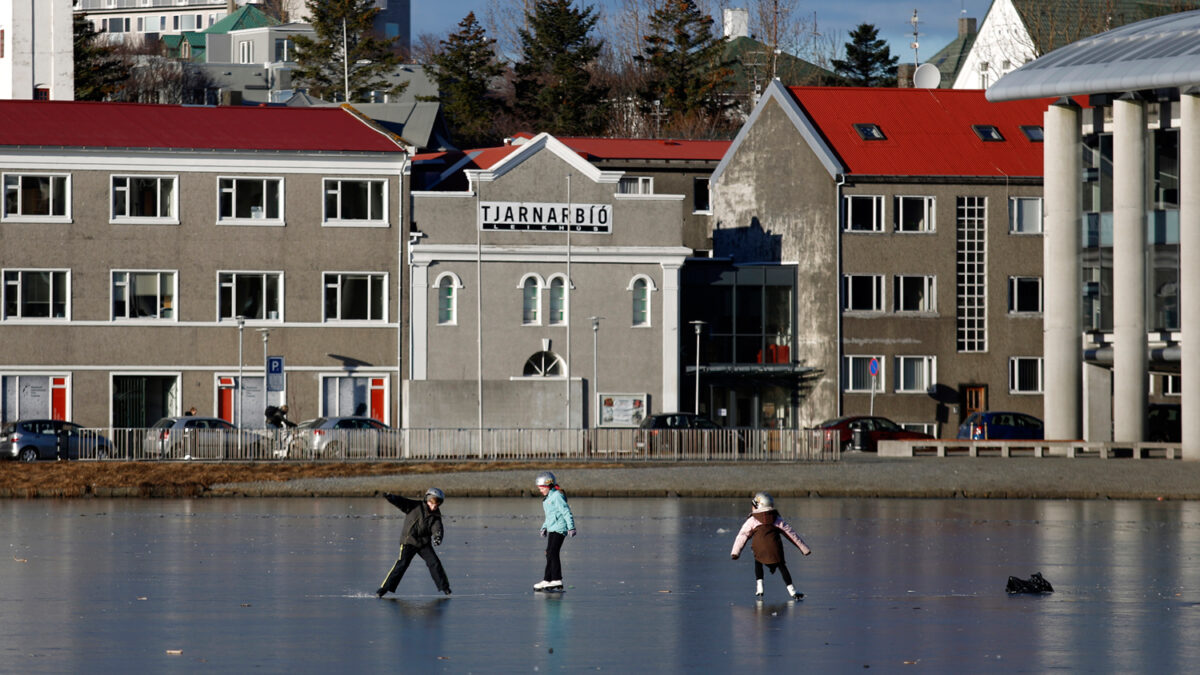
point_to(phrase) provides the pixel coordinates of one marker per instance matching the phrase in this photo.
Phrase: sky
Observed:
(938, 19)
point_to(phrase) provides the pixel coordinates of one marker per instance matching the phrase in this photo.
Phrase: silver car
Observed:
(343, 437)
(191, 437)
(29, 440)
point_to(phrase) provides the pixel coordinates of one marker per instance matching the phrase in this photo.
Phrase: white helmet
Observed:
(763, 502)
(436, 494)
(546, 478)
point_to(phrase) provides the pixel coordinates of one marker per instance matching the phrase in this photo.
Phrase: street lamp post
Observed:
(266, 336)
(698, 325)
(241, 324)
(595, 371)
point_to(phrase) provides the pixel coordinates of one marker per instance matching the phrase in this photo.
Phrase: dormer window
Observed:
(870, 132)
(1033, 132)
(987, 132)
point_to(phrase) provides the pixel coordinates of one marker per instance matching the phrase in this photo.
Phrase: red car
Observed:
(874, 429)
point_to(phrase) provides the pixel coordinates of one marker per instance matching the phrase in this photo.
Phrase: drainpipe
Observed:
(837, 235)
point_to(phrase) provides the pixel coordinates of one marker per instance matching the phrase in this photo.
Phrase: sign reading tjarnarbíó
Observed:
(539, 217)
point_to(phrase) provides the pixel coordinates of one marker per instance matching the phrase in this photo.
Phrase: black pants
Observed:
(554, 542)
(783, 571)
(406, 555)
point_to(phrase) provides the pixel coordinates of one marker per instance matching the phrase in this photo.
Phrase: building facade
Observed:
(155, 256)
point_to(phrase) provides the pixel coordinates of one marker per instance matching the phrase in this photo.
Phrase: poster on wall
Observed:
(623, 410)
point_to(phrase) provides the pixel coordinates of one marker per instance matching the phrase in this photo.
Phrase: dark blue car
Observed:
(1000, 425)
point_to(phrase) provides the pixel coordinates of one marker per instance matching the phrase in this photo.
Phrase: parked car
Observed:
(29, 440)
(666, 433)
(341, 437)
(1000, 425)
(189, 437)
(1162, 423)
(874, 429)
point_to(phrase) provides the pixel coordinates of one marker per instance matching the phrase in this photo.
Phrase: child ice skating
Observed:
(558, 524)
(422, 531)
(763, 528)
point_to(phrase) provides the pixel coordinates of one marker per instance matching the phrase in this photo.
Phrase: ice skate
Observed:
(554, 585)
(446, 590)
(758, 588)
(541, 585)
(380, 593)
(796, 595)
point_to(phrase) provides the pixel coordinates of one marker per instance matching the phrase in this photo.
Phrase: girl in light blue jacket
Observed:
(558, 524)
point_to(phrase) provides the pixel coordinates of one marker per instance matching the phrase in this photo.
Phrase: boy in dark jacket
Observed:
(422, 531)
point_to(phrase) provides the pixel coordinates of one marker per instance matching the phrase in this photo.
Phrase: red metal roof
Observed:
(928, 131)
(647, 148)
(132, 125)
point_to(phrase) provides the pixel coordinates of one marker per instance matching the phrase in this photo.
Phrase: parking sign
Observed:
(275, 380)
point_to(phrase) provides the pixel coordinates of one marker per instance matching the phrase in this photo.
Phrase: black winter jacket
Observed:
(421, 526)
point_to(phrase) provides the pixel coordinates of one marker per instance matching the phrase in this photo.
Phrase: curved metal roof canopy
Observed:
(1163, 52)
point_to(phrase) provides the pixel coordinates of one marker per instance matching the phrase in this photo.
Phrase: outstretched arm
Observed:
(791, 534)
(743, 534)
(401, 503)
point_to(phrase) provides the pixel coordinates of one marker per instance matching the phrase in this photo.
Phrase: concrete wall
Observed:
(527, 404)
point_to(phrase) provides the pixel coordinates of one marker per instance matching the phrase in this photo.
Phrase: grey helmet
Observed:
(763, 502)
(546, 478)
(436, 494)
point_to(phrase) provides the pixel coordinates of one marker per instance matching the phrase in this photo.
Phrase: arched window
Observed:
(640, 288)
(558, 301)
(447, 285)
(531, 301)
(544, 364)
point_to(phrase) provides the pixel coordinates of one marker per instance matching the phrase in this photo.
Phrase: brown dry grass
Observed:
(78, 479)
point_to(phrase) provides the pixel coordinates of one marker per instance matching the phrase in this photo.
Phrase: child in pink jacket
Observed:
(763, 529)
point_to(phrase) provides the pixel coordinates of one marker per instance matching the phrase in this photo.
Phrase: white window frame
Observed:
(17, 288)
(1013, 295)
(1014, 367)
(562, 306)
(19, 217)
(232, 285)
(335, 281)
(905, 204)
(127, 285)
(450, 281)
(928, 284)
(854, 203)
(635, 185)
(1172, 385)
(1016, 221)
(928, 369)
(245, 51)
(119, 195)
(633, 300)
(697, 182)
(877, 299)
(333, 186)
(531, 303)
(851, 362)
(930, 428)
(232, 190)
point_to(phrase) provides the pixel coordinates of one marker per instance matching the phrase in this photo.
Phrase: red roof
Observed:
(928, 132)
(647, 148)
(133, 125)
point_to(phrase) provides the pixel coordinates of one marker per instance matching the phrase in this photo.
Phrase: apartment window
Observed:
(447, 286)
(245, 51)
(1024, 295)
(37, 197)
(355, 202)
(531, 301)
(284, 49)
(144, 199)
(914, 294)
(913, 214)
(636, 185)
(143, 294)
(1025, 375)
(862, 292)
(701, 200)
(856, 374)
(544, 364)
(558, 302)
(36, 294)
(971, 274)
(641, 287)
(915, 374)
(250, 200)
(254, 295)
(1171, 385)
(355, 296)
(1025, 215)
(864, 213)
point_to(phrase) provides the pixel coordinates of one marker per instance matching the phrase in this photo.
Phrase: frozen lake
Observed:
(287, 585)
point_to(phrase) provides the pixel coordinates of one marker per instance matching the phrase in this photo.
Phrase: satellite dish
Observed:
(927, 76)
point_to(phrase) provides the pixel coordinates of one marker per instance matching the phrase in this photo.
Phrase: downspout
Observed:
(404, 258)
(837, 237)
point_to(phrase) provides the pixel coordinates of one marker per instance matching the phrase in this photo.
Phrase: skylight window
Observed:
(1033, 132)
(870, 132)
(987, 132)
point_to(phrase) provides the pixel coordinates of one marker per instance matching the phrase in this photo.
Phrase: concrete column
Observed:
(1129, 270)
(1062, 351)
(670, 336)
(1189, 270)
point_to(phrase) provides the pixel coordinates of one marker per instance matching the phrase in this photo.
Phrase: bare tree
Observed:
(155, 79)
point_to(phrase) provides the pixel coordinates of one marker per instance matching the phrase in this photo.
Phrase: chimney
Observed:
(230, 6)
(736, 23)
(965, 26)
(904, 75)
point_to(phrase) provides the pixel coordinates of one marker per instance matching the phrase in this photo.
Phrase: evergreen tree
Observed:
(327, 70)
(99, 70)
(685, 72)
(464, 68)
(554, 88)
(869, 62)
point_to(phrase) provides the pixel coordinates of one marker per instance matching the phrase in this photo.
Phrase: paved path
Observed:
(855, 476)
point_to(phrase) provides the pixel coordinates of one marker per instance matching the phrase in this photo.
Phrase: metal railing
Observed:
(600, 445)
